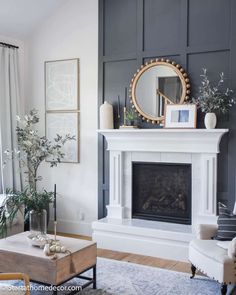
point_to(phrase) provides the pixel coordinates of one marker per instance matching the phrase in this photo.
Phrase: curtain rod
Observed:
(8, 45)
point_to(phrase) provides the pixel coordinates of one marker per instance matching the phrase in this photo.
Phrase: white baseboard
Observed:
(72, 227)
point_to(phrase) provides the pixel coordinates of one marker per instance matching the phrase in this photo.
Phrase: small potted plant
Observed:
(213, 99)
(131, 117)
(32, 150)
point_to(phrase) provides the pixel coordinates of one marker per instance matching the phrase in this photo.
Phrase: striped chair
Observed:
(226, 223)
(14, 276)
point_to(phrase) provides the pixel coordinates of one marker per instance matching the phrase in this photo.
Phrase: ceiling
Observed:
(18, 18)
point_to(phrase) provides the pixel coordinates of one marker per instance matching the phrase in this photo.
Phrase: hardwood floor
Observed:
(139, 259)
(73, 236)
(145, 260)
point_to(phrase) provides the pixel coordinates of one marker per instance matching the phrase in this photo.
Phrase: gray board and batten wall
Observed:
(196, 34)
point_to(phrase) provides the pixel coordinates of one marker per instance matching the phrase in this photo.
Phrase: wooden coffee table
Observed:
(17, 255)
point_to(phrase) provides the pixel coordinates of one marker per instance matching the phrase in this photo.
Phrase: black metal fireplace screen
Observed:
(162, 191)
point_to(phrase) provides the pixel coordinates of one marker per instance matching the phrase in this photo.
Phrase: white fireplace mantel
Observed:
(168, 140)
(119, 231)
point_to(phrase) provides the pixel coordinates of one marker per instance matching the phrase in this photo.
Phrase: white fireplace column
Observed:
(115, 208)
(209, 187)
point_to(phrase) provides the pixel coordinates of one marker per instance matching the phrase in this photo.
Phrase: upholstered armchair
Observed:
(216, 262)
(14, 276)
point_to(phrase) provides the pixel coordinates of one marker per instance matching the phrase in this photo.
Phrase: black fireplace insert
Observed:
(161, 191)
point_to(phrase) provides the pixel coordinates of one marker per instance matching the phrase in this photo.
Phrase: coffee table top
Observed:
(19, 244)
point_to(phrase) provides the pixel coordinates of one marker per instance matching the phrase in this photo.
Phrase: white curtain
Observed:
(9, 108)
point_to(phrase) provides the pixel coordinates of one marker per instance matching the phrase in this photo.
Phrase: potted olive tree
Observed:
(32, 150)
(213, 99)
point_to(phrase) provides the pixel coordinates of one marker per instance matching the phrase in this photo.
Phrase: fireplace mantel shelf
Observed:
(167, 140)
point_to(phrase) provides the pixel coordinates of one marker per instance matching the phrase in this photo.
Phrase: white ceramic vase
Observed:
(106, 116)
(210, 120)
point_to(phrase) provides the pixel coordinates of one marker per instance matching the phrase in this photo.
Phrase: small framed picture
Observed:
(180, 116)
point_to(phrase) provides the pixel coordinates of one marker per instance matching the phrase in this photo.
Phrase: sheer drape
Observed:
(9, 108)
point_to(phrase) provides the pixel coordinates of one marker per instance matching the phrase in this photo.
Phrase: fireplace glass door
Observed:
(161, 191)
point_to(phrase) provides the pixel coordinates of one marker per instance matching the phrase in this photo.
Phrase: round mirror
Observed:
(156, 84)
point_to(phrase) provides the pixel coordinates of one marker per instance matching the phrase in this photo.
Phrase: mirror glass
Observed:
(156, 84)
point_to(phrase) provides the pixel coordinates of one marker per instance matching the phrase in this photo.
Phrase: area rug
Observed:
(124, 278)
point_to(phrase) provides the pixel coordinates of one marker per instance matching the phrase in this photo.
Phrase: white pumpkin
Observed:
(58, 249)
(63, 249)
(53, 248)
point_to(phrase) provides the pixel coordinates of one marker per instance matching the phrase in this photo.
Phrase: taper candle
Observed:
(118, 111)
(125, 97)
(55, 202)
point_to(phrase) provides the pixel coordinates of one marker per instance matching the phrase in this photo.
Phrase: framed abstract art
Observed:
(62, 104)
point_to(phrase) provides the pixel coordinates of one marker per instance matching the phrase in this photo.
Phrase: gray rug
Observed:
(124, 278)
(89, 291)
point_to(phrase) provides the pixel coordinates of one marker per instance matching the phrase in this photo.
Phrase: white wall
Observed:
(22, 68)
(71, 32)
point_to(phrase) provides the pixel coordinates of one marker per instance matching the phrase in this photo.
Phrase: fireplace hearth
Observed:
(161, 191)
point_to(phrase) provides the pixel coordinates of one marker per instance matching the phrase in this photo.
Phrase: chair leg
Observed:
(193, 269)
(223, 289)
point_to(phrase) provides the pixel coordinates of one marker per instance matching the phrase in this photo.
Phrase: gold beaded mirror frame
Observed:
(155, 84)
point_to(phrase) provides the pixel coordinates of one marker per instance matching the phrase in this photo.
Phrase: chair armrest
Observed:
(232, 249)
(17, 276)
(206, 231)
